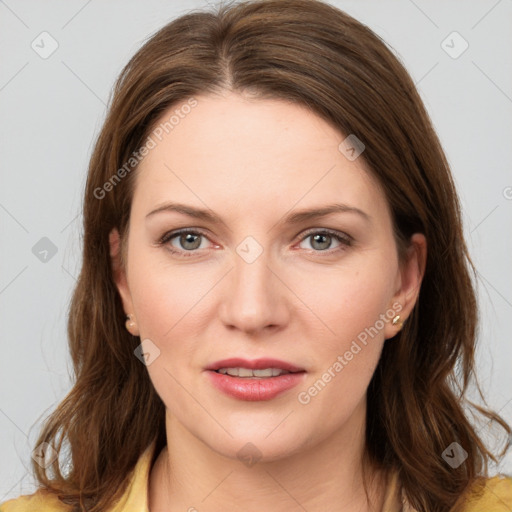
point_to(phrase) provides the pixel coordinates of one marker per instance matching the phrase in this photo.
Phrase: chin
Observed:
(252, 445)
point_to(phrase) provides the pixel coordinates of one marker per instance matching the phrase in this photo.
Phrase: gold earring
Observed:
(397, 321)
(130, 324)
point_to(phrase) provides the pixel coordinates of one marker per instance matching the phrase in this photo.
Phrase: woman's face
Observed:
(253, 276)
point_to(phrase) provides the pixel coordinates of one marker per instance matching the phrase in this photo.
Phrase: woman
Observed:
(275, 290)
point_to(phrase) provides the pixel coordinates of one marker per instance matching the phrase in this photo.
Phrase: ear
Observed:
(409, 278)
(119, 275)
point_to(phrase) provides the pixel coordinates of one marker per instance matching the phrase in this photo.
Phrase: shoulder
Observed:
(42, 501)
(133, 499)
(491, 495)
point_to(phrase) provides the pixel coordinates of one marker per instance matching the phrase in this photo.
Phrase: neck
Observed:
(189, 476)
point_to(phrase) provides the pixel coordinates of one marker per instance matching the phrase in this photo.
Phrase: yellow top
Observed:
(497, 495)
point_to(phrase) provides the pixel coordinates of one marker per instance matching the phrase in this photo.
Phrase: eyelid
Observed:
(327, 231)
(344, 239)
(171, 234)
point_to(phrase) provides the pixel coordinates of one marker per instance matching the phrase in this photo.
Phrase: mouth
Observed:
(255, 380)
(263, 367)
(245, 373)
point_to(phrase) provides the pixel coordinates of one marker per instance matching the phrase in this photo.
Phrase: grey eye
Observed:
(188, 241)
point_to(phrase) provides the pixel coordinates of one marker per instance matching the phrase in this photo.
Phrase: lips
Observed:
(254, 388)
(254, 364)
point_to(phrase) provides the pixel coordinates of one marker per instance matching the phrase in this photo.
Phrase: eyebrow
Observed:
(296, 217)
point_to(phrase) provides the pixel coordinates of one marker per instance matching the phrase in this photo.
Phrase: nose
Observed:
(254, 297)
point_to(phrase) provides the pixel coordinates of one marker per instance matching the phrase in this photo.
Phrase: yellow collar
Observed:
(496, 494)
(135, 498)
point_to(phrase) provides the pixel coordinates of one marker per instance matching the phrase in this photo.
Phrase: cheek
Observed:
(353, 305)
(347, 300)
(169, 303)
(166, 296)
(174, 310)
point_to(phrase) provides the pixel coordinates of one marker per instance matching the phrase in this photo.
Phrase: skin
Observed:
(253, 162)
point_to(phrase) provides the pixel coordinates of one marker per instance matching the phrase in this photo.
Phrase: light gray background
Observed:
(50, 113)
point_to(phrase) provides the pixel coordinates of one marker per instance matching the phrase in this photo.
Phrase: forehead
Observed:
(232, 151)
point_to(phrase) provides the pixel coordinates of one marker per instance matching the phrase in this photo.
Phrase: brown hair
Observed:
(313, 54)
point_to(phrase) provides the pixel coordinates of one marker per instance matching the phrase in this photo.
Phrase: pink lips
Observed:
(255, 364)
(254, 389)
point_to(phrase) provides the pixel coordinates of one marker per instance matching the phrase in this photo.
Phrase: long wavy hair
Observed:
(310, 53)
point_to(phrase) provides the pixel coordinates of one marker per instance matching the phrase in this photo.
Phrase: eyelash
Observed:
(345, 240)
